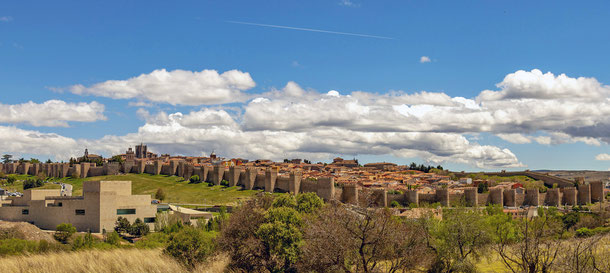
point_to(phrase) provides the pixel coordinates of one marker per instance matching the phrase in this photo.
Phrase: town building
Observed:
(96, 210)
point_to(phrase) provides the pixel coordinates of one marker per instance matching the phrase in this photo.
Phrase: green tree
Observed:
(63, 232)
(570, 220)
(190, 246)
(122, 225)
(282, 238)
(482, 188)
(285, 200)
(32, 183)
(160, 194)
(116, 158)
(238, 235)
(309, 202)
(339, 239)
(7, 158)
(530, 245)
(458, 239)
(139, 228)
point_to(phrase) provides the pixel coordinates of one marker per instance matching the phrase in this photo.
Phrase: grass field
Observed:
(18, 185)
(176, 190)
(114, 260)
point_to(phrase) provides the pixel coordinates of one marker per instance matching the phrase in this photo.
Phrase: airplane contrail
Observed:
(311, 29)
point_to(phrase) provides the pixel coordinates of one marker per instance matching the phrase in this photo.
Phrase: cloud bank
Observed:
(527, 107)
(177, 87)
(54, 113)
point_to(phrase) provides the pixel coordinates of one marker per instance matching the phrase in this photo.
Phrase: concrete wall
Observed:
(98, 206)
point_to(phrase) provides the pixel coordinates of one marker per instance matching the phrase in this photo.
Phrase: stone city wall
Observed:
(270, 181)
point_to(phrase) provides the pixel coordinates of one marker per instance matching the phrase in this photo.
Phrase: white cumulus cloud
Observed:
(177, 87)
(602, 157)
(424, 59)
(51, 113)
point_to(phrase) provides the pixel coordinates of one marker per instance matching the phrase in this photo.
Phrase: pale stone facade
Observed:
(97, 209)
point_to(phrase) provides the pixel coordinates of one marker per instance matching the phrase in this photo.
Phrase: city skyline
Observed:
(478, 86)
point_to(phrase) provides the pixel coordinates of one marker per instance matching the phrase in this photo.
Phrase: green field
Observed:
(18, 185)
(176, 190)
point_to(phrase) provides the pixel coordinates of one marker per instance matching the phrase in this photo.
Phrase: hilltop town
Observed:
(342, 179)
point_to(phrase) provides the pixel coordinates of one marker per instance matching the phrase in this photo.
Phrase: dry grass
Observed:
(117, 260)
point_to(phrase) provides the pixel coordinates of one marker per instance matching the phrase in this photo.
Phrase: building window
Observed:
(59, 204)
(125, 211)
(80, 212)
(149, 219)
(25, 211)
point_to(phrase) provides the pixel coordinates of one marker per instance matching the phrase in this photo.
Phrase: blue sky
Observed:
(472, 46)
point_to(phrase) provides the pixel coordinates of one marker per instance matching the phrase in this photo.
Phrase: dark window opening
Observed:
(125, 211)
(80, 212)
(25, 211)
(149, 219)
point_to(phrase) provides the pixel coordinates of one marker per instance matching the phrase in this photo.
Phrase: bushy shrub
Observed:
(139, 228)
(190, 246)
(11, 180)
(195, 179)
(32, 183)
(122, 225)
(394, 192)
(112, 238)
(160, 194)
(153, 240)
(309, 202)
(584, 232)
(285, 200)
(83, 241)
(224, 183)
(63, 232)
(395, 204)
(17, 246)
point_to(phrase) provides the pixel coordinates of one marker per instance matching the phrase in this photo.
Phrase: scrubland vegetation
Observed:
(284, 233)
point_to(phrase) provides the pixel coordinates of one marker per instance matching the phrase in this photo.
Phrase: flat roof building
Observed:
(97, 209)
